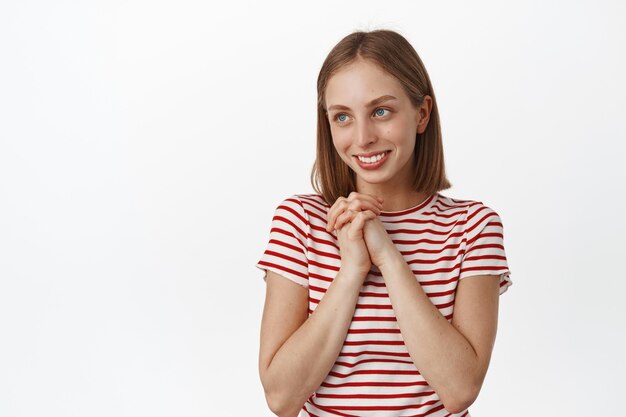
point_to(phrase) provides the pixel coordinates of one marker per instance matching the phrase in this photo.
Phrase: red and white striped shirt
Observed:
(442, 239)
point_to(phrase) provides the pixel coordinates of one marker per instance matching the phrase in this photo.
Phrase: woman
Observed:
(377, 316)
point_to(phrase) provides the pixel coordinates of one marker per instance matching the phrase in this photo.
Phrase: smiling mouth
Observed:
(372, 159)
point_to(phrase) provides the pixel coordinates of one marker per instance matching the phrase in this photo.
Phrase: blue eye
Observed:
(341, 117)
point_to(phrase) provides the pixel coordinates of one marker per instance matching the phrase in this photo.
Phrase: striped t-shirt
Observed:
(442, 239)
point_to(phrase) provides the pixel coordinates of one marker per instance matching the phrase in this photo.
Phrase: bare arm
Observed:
(452, 357)
(297, 352)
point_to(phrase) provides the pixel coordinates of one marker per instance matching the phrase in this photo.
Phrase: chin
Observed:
(374, 178)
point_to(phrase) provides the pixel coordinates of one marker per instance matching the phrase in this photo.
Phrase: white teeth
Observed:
(371, 160)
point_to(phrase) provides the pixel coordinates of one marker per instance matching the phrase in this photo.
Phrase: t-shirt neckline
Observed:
(411, 210)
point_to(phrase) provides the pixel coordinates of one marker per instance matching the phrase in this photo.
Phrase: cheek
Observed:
(341, 141)
(394, 133)
(400, 132)
(341, 147)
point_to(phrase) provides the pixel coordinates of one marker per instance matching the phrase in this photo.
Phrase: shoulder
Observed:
(474, 211)
(312, 204)
(312, 198)
(305, 200)
(303, 206)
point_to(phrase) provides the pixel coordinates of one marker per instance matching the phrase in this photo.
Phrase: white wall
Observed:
(145, 144)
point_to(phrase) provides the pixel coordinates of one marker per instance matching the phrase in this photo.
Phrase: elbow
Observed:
(283, 399)
(457, 407)
(273, 404)
(281, 407)
(460, 401)
(280, 403)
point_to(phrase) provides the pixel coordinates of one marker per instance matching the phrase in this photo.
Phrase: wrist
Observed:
(349, 274)
(390, 259)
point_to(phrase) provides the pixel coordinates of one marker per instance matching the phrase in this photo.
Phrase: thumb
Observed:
(358, 223)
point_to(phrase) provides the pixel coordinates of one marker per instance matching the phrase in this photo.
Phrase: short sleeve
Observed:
(484, 246)
(286, 251)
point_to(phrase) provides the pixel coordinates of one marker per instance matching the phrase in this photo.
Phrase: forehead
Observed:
(359, 82)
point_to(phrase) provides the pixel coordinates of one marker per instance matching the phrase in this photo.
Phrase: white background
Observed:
(144, 146)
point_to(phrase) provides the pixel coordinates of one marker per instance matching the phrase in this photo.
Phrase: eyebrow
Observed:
(371, 103)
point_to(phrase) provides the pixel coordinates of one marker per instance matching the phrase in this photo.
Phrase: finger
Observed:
(365, 204)
(355, 195)
(359, 221)
(338, 207)
(344, 218)
(356, 202)
(349, 212)
(359, 202)
(376, 201)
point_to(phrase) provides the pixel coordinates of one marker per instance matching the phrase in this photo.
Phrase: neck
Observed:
(394, 200)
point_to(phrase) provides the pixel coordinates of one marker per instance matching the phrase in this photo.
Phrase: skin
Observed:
(391, 125)
(456, 359)
(297, 351)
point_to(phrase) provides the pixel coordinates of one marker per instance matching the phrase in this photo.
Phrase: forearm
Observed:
(305, 359)
(444, 357)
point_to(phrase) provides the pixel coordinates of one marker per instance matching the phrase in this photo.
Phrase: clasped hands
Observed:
(356, 221)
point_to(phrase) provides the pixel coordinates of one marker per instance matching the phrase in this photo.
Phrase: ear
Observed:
(423, 113)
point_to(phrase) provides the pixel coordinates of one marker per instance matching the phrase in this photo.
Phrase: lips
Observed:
(373, 165)
(369, 154)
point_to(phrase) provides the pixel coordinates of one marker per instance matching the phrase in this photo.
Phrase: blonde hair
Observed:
(331, 176)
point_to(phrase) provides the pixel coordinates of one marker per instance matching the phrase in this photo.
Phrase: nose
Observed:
(365, 133)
